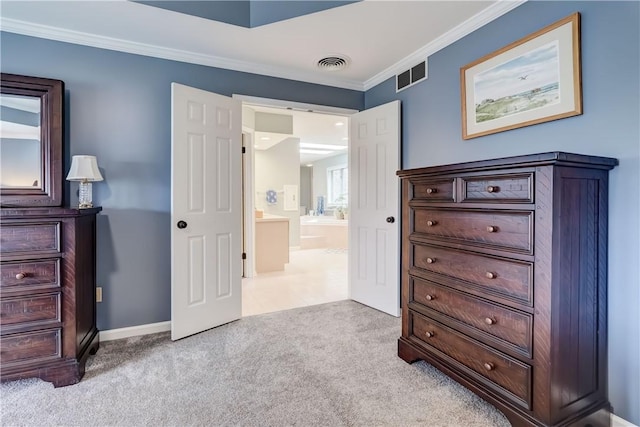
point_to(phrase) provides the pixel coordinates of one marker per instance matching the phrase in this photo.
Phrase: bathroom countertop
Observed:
(270, 217)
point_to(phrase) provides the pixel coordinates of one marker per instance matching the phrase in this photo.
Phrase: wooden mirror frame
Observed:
(51, 94)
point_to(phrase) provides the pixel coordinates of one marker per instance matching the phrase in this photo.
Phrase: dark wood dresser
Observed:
(504, 282)
(47, 293)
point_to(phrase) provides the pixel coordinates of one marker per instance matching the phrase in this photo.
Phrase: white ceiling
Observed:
(381, 39)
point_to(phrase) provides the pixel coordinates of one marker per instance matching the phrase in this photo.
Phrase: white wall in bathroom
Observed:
(274, 168)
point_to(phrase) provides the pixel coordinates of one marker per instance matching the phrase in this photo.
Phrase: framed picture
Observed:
(533, 80)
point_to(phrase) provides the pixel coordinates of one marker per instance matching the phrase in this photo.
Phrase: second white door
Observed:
(374, 257)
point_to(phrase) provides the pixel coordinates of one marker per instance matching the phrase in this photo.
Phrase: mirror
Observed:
(20, 162)
(30, 141)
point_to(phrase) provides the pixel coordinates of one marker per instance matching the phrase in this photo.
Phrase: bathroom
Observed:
(301, 174)
(300, 195)
(324, 197)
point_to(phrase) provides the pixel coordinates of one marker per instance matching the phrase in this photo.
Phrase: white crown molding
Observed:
(489, 14)
(69, 36)
(103, 42)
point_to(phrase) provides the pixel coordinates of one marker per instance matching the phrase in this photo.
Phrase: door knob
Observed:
(391, 219)
(182, 224)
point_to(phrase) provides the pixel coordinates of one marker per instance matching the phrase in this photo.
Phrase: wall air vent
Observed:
(333, 63)
(413, 75)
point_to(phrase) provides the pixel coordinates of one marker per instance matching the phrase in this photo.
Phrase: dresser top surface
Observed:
(540, 159)
(42, 212)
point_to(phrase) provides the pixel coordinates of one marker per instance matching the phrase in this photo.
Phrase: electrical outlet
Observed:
(99, 294)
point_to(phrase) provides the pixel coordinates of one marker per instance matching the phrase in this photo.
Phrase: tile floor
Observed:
(313, 276)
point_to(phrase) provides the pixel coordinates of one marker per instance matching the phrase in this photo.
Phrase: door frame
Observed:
(248, 203)
(248, 178)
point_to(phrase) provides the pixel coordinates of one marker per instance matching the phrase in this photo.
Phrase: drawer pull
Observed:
(489, 321)
(430, 334)
(431, 223)
(431, 260)
(432, 190)
(430, 297)
(489, 366)
(492, 229)
(21, 276)
(490, 275)
(493, 189)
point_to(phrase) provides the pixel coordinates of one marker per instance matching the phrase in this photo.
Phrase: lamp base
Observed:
(85, 195)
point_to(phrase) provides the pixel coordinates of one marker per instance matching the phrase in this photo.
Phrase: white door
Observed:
(206, 214)
(374, 254)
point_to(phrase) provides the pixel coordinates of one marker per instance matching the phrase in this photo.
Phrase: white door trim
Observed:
(280, 103)
(250, 156)
(249, 203)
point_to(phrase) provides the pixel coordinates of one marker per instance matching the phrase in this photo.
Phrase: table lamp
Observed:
(85, 170)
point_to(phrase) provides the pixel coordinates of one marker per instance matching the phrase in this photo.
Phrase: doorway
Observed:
(297, 154)
(200, 118)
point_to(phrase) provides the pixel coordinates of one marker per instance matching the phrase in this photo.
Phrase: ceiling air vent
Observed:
(333, 63)
(413, 75)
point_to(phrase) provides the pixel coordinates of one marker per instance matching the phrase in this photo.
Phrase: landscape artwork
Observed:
(527, 82)
(533, 80)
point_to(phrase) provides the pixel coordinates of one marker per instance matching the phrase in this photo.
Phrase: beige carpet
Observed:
(328, 365)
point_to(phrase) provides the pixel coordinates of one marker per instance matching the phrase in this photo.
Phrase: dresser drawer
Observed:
(505, 188)
(512, 377)
(30, 309)
(38, 273)
(30, 347)
(506, 277)
(434, 190)
(30, 237)
(512, 230)
(508, 325)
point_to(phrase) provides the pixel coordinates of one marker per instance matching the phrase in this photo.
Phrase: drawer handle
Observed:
(489, 321)
(430, 334)
(431, 223)
(492, 229)
(489, 366)
(493, 189)
(430, 297)
(21, 276)
(490, 275)
(432, 190)
(431, 260)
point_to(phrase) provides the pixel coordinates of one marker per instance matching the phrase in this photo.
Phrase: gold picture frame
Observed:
(533, 80)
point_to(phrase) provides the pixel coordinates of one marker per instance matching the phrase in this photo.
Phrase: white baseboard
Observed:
(616, 421)
(134, 331)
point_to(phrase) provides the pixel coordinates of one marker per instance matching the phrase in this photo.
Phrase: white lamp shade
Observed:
(84, 168)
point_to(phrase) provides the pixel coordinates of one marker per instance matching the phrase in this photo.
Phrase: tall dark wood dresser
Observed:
(504, 282)
(47, 252)
(47, 293)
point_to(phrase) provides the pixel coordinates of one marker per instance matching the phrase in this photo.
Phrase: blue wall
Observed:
(118, 107)
(431, 127)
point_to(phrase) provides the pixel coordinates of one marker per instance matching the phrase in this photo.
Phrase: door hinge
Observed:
(244, 150)
(244, 255)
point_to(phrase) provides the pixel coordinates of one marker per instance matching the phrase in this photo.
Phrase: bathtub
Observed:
(323, 232)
